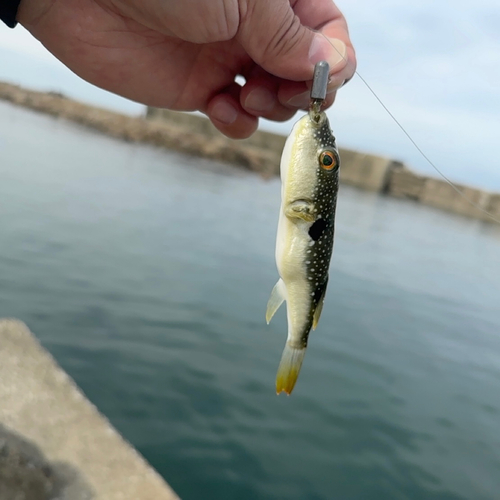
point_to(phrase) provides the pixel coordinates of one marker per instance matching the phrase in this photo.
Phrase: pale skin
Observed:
(185, 54)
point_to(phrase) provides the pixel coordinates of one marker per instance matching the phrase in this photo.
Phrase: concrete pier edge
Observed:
(51, 433)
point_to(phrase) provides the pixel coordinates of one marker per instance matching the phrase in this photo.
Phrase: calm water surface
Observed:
(147, 273)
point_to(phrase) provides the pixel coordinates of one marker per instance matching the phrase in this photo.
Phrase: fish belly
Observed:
(291, 254)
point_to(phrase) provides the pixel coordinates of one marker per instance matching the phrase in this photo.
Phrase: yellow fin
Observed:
(319, 307)
(289, 368)
(275, 300)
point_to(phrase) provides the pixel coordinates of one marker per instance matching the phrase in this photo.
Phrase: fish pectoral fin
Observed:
(319, 306)
(301, 209)
(277, 297)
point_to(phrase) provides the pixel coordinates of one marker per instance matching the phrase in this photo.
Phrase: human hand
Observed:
(184, 55)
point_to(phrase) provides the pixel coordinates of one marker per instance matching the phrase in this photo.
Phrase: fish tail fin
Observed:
(289, 368)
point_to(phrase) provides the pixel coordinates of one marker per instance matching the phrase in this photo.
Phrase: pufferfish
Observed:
(309, 172)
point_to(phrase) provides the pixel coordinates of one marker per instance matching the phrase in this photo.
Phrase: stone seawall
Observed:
(358, 169)
(365, 171)
(159, 133)
(195, 135)
(403, 183)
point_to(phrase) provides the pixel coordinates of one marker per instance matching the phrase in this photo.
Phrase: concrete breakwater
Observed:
(195, 135)
(141, 129)
(365, 171)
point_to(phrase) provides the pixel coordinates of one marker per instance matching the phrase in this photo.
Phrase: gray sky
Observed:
(435, 66)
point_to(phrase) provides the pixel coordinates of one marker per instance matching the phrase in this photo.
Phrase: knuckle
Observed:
(226, 23)
(287, 37)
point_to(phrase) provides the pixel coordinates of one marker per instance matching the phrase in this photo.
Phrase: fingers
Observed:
(273, 98)
(235, 111)
(285, 39)
(260, 97)
(228, 116)
(296, 95)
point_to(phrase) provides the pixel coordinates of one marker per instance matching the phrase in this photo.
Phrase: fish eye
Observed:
(327, 160)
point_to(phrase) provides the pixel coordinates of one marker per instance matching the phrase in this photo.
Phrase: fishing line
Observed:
(417, 147)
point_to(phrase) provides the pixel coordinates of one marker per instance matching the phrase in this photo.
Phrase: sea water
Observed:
(146, 274)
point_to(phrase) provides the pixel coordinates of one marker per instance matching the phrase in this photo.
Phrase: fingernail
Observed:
(260, 100)
(224, 113)
(300, 100)
(332, 50)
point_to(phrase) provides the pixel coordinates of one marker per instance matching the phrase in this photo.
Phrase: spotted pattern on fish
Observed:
(322, 229)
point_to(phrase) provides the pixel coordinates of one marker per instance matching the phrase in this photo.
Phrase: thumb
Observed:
(274, 37)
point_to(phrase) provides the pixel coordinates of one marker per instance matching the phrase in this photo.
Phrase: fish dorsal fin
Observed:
(278, 295)
(319, 307)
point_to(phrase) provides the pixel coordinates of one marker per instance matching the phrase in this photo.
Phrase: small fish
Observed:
(310, 179)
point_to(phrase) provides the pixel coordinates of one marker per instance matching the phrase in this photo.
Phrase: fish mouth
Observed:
(318, 118)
